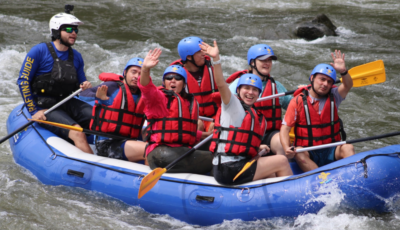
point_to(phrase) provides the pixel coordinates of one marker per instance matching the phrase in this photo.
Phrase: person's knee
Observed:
(77, 136)
(276, 145)
(282, 161)
(346, 151)
(161, 156)
(200, 125)
(301, 157)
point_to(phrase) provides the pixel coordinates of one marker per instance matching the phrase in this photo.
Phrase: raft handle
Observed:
(205, 198)
(75, 173)
(248, 190)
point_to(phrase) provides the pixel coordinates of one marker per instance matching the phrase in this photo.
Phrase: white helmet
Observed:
(63, 19)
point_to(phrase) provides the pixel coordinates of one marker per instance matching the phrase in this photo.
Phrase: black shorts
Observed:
(199, 162)
(74, 111)
(268, 137)
(224, 173)
(111, 148)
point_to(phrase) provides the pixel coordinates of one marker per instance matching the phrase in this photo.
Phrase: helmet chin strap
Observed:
(126, 81)
(262, 75)
(193, 62)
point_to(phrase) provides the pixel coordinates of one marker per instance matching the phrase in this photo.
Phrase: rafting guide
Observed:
(52, 71)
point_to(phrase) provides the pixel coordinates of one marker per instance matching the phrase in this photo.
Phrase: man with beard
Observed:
(313, 114)
(52, 71)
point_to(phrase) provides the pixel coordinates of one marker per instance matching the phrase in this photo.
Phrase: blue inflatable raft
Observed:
(366, 179)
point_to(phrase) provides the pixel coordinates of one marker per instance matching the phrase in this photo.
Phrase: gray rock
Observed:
(316, 28)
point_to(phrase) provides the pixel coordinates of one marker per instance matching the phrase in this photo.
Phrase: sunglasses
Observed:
(170, 76)
(70, 29)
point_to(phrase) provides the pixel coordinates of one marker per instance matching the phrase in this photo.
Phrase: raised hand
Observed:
(101, 93)
(338, 61)
(151, 58)
(209, 50)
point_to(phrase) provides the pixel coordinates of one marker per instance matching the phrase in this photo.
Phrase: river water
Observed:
(116, 30)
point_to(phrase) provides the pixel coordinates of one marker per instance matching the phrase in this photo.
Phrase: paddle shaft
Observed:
(347, 142)
(82, 130)
(248, 164)
(46, 112)
(152, 178)
(109, 135)
(173, 163)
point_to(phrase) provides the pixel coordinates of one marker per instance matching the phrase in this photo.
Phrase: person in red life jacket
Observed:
(119, 110)
(314, 116)
(239, 129)
(200, 75)
(259, 58)
(172, 116)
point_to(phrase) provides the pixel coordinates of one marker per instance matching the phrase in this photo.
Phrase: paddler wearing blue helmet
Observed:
(239, 129)
(119, 110)
(200, 77)
(260, 59)
(172, 116)
(313, 113)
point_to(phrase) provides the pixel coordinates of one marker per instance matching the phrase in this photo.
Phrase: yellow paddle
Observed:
(362, 75)
(152, 178)
(248, 164)
(70, 127)
(47, 111)
(368, 74)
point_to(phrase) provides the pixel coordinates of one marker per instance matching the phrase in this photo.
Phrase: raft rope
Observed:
(362, 161)
(40, 135)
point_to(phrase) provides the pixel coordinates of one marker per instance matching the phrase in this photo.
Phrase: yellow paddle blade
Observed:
(245, 167)
(368, 74)
(59, 125)
(150, 180)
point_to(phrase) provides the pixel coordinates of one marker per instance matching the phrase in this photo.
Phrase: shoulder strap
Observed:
(52, 51)
(211, 73)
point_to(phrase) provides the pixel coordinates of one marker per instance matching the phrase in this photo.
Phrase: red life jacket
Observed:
(244, 140)
(271, 109)
(180, 126)
(206, 94)
(313, 129)
(124, 117)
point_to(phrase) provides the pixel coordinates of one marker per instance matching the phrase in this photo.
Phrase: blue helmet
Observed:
(136, 61)
(176, 69)
(188, 46)
(324, 69)
(260, 50)
(250, 79)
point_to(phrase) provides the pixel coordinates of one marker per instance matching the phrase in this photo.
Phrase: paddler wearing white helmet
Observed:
(51, 72)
